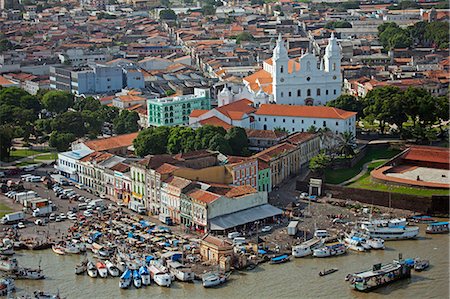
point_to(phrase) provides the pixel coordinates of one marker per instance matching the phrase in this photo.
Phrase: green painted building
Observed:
(172, 111)
(264, 178)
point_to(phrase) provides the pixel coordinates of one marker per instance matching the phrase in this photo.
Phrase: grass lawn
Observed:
(22, 153)
(365, 182)
(4, 209)
(341, 175)
(49, 156)
(26, 163)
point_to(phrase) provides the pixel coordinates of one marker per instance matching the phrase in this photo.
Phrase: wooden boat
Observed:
(92, 270)
(125, 279)
(28, 273)
(326, 272)
(58, 249)
(210, 280)
(81, 268)
(112, 270)
(102, 270)
(8, 264)
(420, 265)
(437, 228)
(279, 259)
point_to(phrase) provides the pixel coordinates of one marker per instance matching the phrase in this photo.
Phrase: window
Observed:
(259, 118)
(282, 94)
(337, 124)
(303, 121)
(265, 127)
(318, 91)
(290, 94)
(109, 79)
(314, 122)
(293, 121)
(334, 66)
(324, 123)
(308, 92)
(284, 120)
(265, 119)
(326, 92)
(299, 92)
(274, 120)
(281, 69)
(303, 130)
(334, 91)
(293, 129)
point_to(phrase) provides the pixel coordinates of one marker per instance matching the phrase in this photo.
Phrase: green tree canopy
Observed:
(61, 141)
(151, 141)
(6, 137)
(208, 10)
(338, 24)
(127, 122)
(69, 122)
(348, 103)
(167, 14)
(392, 36)
(88, 103)
(219, 143)
(244, 36)
(237, 138)
(57, 101)
(318, 163)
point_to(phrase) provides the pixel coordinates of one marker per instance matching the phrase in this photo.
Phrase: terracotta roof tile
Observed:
(111, 142)
(304, 111)
(203, 196)
(178, 182)
(166, 168)
(428, 154)
(197, 112)
(240, 191)
(215, 121)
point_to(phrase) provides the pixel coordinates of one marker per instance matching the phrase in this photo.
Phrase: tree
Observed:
(6, 137)
(338, 24)
(69, 122)
(127, 122)
(208, 10)
(220, 144)
(312, 130)
(392, 36)
(181, 140)
(167, 14)
(319, 163)
(349, 103)
(441, 112)
(244, 36)
(57, 101)
(281, 130)
(61, 141)
(151, 141)
(347, 143)
(204, 134)
(437, 32)
(43, 126)
(165, 3)
(88, 103)
(237, 138)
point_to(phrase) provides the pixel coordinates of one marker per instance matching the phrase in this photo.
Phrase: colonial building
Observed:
(212, 249)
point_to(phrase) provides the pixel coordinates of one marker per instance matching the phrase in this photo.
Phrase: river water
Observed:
(296, 279)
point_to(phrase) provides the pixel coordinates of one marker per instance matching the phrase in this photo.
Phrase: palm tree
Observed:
(347, 143)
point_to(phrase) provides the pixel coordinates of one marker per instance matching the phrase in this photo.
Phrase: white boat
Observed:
(7, 285)
(354, 245)
(102, 270)
(367, 241)
(28, 273)
(122, 266)
(7, 250)
(145, 275)
(306, 248)
(45, 295)
(375, 243)
(213, 279)
(137, 282)
(180, 271)
(81, 268)
(112, 270)
(8, 264)
(393, 233)
(125, 279)
(159, 276)
(58, 249)
(72, 248)
(330, 250)
(92, 270)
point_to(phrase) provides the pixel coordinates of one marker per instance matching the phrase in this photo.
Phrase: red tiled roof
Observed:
(274, 151)
(242, 106)
(265, 134)
(304, 111)
(197, 113)
(220, 243)
(121, 167)
(240, 191)
(299, 137)
(111, 142)
(178, 182)
(166, 168)
(428, 154)
(203, 196)
(215, 121)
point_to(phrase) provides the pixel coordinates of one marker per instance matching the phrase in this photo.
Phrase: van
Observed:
(233, 235)
(82, 206)
(239, 241)
(321, 233)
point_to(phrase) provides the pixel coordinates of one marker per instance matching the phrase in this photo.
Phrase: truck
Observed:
(35, 203)
(43, 211)
(137, 206)
(292, 228)
(96, 203)
(165, 219)
(13, 218)
(27, 195)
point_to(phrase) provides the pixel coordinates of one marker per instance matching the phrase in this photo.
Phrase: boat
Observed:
(420, 265)
(58, 249)
(112, 270)
(279, 259)
(393, 233)
(326, 272)
(145, 275)
(356, 243)
(8, 264)
(137, 282)
(125, 279)
(45, 295)
(28, 273)
(214, 279)
(375, 243)
(437, 228)
(81, 268)
(180, 271)
(422, 219)
(330, 250)
(122, 266)
(7, 285)
(102, 270)
(7, 250)
(380, 275)
(159, 276)
(71, 248)
(92, 270)
(306, 248)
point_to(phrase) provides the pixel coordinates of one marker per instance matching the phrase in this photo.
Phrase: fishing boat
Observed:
(422, 219)
(101, 268)
(375, 243)
(327, 272)
(159, 276)
(393, 233)
(28, 273)
(46, 295)
(81, 268)
(210, 280)
(92, 270)
(356, 243)
(71, 248)
(437, 228)
(58, 249)
(145, 275)
(7, 250)
(379, 275)
(330, 250)
(137, 282)
(7, 285)
(180, 271)
(112, 270)
(280, 259)
(306, 248)
(122, 266)
(125, 279)
(420, 265)
(8, 264)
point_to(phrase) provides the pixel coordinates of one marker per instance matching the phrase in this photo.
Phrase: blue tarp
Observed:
(144, 223)
(262, 251)
(409, 262)
(95, 236)
(148, 258)
(177, 257)
(130, 235)
(126, 274)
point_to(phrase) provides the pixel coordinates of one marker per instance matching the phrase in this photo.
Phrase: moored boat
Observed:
(330, 250)
(58, 249)
(112, 270)
(28, 273)
(7, 250)
(279, 259)
(420, 265)
(71, 248)
(7, 285)
(8, 264)
(327, 272)
(92, 270)
(180, 271)
(306, 248)
(137, 282)
(159, 276)
(45, 295)
(81, 268)
(214, 279)
(356, 243)
(101, 269)
(422, 219)
(125, 279)
(145, 275)
(437, 228)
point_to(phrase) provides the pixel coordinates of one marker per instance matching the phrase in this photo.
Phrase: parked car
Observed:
(38, 222)
(20, 225)
(88, 213)
(62, 216)
(58, 219)
(52, 217)
(266, 229)
(304, 195)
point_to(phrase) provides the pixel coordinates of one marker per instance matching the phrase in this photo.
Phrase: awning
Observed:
(243, 217)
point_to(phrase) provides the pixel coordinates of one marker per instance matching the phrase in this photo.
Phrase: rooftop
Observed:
(105, 144)
(304, 111)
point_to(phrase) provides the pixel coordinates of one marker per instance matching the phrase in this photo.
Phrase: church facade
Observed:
(308, 80)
